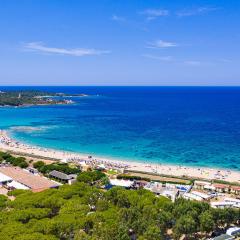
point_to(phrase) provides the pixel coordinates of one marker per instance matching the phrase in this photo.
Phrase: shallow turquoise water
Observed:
(188, 126)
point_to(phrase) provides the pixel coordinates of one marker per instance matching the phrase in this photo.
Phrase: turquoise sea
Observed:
(197, 126)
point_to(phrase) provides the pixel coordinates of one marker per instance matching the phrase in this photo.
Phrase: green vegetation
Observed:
(16, 192)
(92, 177)
(15, 161)
(81, 211)
(19, 98)
(61, 167)
(112, 172)
(135, 177)
(3, 202)
(131, 177)
(162, 177)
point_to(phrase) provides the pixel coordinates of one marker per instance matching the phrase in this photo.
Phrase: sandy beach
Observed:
(9, 144)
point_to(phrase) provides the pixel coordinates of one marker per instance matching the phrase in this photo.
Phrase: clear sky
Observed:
(119, 42)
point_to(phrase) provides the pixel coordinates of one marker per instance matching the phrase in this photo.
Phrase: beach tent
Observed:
(4, 179)
(17, 185)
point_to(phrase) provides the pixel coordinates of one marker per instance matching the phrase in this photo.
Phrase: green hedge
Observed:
(128, 177)
(15, 161)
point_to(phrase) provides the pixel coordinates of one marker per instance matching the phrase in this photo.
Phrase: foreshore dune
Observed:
(9, 144)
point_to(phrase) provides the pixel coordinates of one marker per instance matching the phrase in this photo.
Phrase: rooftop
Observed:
(201, 183)
(4, 178)
(223, 237)
(192, 197)
(60, 175)
(233, 231)
(218, 204)
(200, 194)
(17, 185)
(121, 183)
(36, 183)
(236, 188)
(219, 185)
(232, 200)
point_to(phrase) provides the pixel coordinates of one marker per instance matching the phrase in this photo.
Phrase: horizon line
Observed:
(119, 85)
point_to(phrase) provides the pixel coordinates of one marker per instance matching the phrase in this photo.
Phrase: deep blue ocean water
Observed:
(197, 126)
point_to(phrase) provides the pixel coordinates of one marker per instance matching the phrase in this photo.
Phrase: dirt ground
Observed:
(160, 178)
(3, 191)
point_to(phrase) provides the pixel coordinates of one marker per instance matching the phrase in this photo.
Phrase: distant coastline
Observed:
(28, 98)
(37, 104)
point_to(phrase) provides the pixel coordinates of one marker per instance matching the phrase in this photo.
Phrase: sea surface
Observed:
(193, 126)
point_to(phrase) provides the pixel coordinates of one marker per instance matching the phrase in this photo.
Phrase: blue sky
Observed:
(119, 42)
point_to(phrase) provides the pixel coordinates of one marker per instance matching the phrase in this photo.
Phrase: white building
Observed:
(197, 196)
(233, 231)
(9, 182)
(204, 196)
(4, 179)
(167, 190)
(190, 196)
(232, 200)
(170, 193)
(228, 202)
(121, 183)
(201, 184)
(17, 185)
(221, 204)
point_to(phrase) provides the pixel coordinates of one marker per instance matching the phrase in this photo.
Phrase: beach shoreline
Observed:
(11, 145)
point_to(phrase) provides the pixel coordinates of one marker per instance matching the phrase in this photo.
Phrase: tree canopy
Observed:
(61, 167)
(15, 161)
(82, 211)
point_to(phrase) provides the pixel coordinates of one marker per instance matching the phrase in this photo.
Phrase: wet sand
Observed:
(9, 144)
